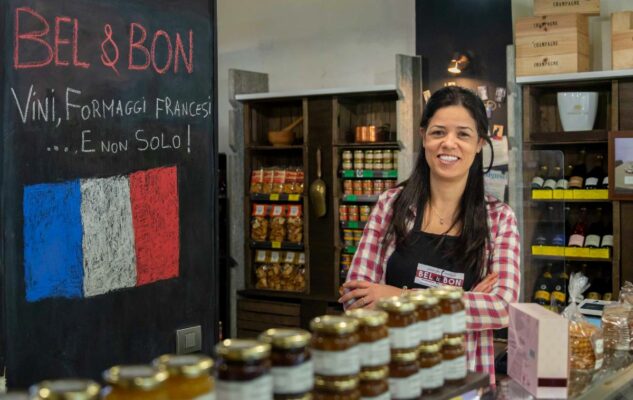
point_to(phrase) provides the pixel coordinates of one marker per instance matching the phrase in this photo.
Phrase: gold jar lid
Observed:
(430, 347)
(336, 385)
(368, 317)
(334, 324)
(374, 374)
(421, 297)
(286, 338)
(187, 365)
(242, 350)
(140, 377)
(66, 389)
(396, 304)
(452, 293)
(404, 356)
(454, 340)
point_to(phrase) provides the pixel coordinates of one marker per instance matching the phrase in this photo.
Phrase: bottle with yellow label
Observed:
(189, 376)
(135, 382)
(65, 389)
(543, 289)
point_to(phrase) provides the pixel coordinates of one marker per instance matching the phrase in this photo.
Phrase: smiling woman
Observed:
(440, 228)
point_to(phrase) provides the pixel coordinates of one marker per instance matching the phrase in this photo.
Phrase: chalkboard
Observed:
(109, 151)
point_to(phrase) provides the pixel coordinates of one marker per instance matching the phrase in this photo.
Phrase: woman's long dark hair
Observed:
(416, 191)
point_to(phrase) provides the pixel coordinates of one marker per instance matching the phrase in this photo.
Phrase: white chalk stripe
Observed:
(108, 238)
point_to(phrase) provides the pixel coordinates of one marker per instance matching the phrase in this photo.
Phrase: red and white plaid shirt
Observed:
(484, 311)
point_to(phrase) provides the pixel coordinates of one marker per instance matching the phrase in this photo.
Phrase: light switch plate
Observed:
(189, 340)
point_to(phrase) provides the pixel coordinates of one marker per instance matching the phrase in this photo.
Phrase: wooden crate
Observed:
(255, 316)
(622, 40)
(550, 7)
(552, 44)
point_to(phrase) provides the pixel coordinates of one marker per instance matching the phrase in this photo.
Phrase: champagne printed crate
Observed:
(622, 40)
(551, 7)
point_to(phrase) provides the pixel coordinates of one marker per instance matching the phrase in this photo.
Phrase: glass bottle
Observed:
(607, 235)
(543, 287)
(559, 290)
(563, 183)
(579, 171)
(577, 238)
(540, 176)
(597, 174)
(552, 178)
(595, 231)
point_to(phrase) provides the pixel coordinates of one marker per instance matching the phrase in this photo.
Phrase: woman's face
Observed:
(451, 142)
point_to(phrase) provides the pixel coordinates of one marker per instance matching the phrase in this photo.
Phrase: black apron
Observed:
(420, 263)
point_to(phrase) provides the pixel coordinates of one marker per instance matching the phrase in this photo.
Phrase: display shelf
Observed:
(276, 197)
(575, 77)
(570, 194)
(275, 148)
(353, 224)
(350, 249)
(368, 173)
(568, 258)
(268, 245)
(357, 198)
(569, 138)
(387, 145)
(576, 252)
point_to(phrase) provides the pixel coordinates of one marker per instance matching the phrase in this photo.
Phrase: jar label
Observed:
(405, 388)
(335, 363)
(576, 240)
(592, 241)
(607, 241)
(432, 378)
(589, 182)
(296, 379)
(430, 330)
(374, 353)
(455, 323)
(454, 369)
(208, 396)
(384, 396)
(403, 338)
(257, 389)
(537, 182)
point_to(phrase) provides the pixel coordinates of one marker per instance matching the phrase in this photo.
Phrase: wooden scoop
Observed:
(318, 191)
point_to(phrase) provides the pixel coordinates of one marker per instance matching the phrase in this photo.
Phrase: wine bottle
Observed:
(539, 178)
(596, 175)
(554, 227)
(607, 235)
(550, 181)
(563, 183)
(595, 231)
(543, 288)
(540, 235)
(577, 238)
(579, 171)
(559, 290)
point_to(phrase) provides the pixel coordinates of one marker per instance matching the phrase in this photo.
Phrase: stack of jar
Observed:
(380, 159)
(346, 263)
(367, 187)
(352, 237)
(354, 213)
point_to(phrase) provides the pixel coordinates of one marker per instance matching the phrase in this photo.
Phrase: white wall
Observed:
(311, 44)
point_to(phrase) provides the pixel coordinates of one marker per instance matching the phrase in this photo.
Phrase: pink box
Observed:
(538, 350)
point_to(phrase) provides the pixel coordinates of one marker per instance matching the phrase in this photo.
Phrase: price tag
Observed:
(290, 257)
(553, 251)
(599, 253)
(360, 173)
(391, 174)
(260, 256)
(274, 256)
(351, 197)
(352, 224)
(275, 245)
(274, 197)
(537, 250)
(293, 197)
(302, 258)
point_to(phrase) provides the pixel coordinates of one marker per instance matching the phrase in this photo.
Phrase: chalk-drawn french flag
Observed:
(87, 237)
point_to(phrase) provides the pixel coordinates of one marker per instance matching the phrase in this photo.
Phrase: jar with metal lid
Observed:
(387, 156)
(404, 380)
(358, 235)
(292, 367)
(430, 363)
(373, 337)
(359, 159)
(374, 383)
(368, 187)
(243, 370)
(364, 212)
(453, 359)
(401, 322)
(190, 376)
(369, 159)
(379, 186)
(453, 310)
(334, 346)
(138, 382)
(347, 165)
(340, 389)
(429, 315)
(347, 155)
(357, 185)
(348, 187)
(342, 212)
(66, 389)
(389, 183)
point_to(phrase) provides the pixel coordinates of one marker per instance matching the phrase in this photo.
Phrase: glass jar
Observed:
(135, 382)
(190, 376)
(401, 322)
(292, 367)
(430, 363)
(347, 155)
(373, 336)
(243, 370)
(369, 159)
(404, 380)
(334, 347)
(453, 360)
(340, 389)
(62, 389)
(374, 383)
(453, 311)
(429, 315)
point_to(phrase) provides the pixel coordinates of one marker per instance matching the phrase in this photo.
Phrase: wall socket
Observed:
(189, 340)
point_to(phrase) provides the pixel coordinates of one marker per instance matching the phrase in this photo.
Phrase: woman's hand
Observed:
(366, 293)
(486, 285)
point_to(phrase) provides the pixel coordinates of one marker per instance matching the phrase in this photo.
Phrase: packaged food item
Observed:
(368, 187)
(295, 223)
(334, 346)
(190, 376)
(290, 182)
(352, 213)
(299, 179)
(279, 179)
(257, 180)
(389, 183)
(259, 222)
(348, 187)
(277, 223)
(364, 211)
(342, 213)
(267, 186)
(616, 323)
(626, 293)
(404, 379)
(358, 187)
(454, 360)
(403, 334)
(379, 187)
(244, 370)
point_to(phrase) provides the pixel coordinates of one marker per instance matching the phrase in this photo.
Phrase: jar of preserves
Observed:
(368, 187)
(364, 211)
(401, 322)
(429, 315)
(430, 363)
(358, 187)
(347, 155)
(453, 359)
(369, 159)
(340, 389)
(379, 186)
(387, 156)
(373, 337)
(404, 381)
(347, 165)
(378, 158)
(190, 376)
(374, 383)
(334, 347)
(342, 212)
(453, 310)
(352, 213)
(359, 159)
(243, 370)
(292, 367)
(348, 237)
(358, 235)
(348, 187)
(389, 183)
(138, 382)
(62, 389)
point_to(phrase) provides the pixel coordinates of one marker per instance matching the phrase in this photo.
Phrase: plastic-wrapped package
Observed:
(616, 323)
(626, 293)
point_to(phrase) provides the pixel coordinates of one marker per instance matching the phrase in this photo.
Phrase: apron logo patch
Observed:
(432, 276)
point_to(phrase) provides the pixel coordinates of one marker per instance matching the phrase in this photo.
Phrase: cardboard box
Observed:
(538, 350)
(549, 7)
(622, 40)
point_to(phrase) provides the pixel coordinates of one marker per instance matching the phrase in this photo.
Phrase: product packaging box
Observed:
(538, 350)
